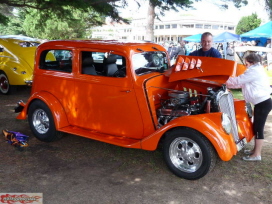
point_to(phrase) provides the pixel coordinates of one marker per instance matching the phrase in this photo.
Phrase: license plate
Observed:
(240, 145)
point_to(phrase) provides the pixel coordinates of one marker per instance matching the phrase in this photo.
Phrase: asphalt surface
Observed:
(77, 170)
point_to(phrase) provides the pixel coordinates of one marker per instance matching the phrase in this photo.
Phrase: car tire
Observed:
(188, 154)
(41, 122)
(4, 83)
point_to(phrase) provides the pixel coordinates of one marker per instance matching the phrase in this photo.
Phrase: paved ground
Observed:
(77, 170)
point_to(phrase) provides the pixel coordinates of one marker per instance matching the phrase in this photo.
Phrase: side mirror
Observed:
(1, 49)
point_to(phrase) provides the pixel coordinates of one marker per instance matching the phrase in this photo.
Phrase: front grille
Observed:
(226, 105)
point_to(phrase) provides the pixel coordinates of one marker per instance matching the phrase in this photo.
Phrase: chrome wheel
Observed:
(40, 121)
(4, 84)
(185, 154)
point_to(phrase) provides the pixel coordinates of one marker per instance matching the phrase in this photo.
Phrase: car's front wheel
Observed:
(188, 154)
(41, 122)
(4, 83)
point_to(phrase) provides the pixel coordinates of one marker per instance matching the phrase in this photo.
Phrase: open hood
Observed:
(202, 69)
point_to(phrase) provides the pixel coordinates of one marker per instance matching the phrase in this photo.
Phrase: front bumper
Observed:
(28, 82)
(20, 106)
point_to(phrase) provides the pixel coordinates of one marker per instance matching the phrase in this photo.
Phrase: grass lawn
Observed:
(237, 93)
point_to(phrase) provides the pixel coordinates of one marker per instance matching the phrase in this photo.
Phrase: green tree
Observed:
(268, 8)
(14, 22)
(53, 27)
(62, 8)
(248, 23)
(5, 11)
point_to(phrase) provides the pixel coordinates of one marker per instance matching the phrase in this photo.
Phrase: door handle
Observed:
(126, 91)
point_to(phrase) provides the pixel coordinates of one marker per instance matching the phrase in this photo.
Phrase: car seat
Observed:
(110, 66)
(88, 66)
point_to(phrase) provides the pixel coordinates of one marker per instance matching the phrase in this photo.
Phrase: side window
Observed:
(57, 60)
(103, 64)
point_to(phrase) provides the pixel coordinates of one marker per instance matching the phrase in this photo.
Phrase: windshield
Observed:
(147, 62)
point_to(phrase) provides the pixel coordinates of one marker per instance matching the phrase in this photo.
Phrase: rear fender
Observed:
(207, 124)
(15, 75)
(54, 105)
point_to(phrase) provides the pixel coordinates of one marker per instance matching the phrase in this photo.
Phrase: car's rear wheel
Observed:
(4, 83)
(188, 153)
(41, 122)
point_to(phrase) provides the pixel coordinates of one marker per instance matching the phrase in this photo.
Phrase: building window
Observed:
(207, 26)
(174, 25)
(167, 26)
(199, 26)
(187, 26)
(215, 27)
(161, 26)
(230, 28)
(156, 27)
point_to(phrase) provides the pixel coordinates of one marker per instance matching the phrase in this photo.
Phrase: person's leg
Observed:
(257, 148)
(261, 112)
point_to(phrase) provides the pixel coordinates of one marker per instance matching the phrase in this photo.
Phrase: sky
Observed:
(206, 10)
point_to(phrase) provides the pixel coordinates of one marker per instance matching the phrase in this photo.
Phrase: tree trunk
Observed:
(150, 22)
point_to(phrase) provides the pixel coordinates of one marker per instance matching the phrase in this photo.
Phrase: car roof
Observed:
(19, 38)
(140, 45)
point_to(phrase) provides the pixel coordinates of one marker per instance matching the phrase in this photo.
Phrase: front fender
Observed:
(54, 105)
(207, 124)
(244, 122)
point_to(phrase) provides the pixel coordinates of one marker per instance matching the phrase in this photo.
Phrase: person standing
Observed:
(207, 50)
(268, 43)
(256, 90)
(172, 51)
(181, 50)
(230, 52)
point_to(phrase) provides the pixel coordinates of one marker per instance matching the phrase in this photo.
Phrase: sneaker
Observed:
(249, 158)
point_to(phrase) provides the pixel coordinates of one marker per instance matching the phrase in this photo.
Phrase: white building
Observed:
(165, 30)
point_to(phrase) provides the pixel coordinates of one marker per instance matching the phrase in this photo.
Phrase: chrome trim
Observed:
(249, 110)
(226, 105)
(40, 121)
(186, 154)
(29, 82)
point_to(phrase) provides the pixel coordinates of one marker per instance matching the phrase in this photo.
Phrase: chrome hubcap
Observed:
(186, 154)
(40, 121)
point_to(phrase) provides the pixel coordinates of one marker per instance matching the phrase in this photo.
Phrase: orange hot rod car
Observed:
(126, 94)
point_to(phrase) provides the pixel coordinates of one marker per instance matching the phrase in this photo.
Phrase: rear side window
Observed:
(57, 60)
(103, 64)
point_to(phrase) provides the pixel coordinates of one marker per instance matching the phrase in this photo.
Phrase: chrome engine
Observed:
(184, 103)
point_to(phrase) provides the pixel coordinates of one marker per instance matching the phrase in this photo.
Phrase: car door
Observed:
(104, 103)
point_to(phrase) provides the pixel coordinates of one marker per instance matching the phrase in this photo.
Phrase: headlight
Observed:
(226, 123)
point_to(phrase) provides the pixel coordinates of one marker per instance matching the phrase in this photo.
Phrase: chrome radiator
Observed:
(226, 105)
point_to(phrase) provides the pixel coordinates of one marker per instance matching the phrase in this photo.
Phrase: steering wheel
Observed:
(155, 60)
(120, 72)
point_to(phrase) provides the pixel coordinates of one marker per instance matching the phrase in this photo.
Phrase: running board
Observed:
(111, 139)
